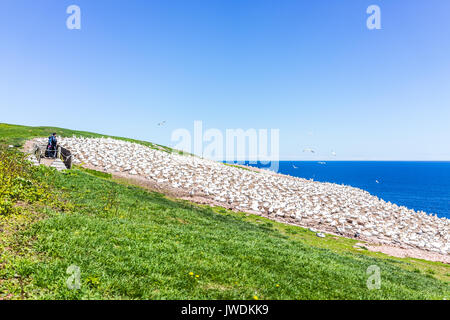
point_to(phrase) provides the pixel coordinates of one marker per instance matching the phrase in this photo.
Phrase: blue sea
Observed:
(416, 185)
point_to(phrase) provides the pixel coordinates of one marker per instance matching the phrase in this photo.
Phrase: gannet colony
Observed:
(331, 207)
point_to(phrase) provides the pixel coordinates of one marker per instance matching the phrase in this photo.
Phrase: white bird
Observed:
(377, 181)
(320, 235)
(294, 167)
(309, 150)
(333, 153)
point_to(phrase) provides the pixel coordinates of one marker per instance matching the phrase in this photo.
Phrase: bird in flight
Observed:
(162, 123)
(309, 150)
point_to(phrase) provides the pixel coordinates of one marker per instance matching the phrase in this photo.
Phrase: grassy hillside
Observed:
(16, 135)
(130, 243)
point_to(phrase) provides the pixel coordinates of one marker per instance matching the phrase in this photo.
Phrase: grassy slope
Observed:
(16, 135)
(131, 243)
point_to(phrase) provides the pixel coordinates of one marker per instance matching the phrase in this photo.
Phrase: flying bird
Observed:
(309, 150)
(162, 123)
(333, 153)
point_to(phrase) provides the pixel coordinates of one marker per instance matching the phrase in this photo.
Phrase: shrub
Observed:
(19, 181)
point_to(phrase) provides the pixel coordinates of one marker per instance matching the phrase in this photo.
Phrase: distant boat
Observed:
(377, 181)
(321, 162)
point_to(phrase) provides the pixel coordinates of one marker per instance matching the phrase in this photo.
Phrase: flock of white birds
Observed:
(339, 209)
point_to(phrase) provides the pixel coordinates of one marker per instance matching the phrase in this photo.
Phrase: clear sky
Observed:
(311, 69)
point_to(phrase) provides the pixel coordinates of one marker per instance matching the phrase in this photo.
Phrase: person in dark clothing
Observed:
(52, 142)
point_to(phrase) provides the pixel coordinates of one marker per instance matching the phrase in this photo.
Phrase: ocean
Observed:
(416, 185)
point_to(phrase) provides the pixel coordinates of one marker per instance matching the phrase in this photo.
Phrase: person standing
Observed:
(52, 142)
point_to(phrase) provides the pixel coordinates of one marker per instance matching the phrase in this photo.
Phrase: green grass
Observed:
(130, 243)
(16, 135)
(344, 245)
(96, 173)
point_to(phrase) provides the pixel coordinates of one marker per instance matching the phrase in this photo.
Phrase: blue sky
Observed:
(308, 68)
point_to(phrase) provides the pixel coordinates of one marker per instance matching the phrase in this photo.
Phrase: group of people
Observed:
(52, 145)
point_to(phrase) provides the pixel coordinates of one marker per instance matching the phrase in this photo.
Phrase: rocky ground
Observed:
(329, 207)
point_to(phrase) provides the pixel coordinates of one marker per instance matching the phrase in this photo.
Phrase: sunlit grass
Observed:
(130, 243)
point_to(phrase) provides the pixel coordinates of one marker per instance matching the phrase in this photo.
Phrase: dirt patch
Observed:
(409, 253)
(29, 145)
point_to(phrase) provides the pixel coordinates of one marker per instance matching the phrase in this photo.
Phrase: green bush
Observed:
(19, 182)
